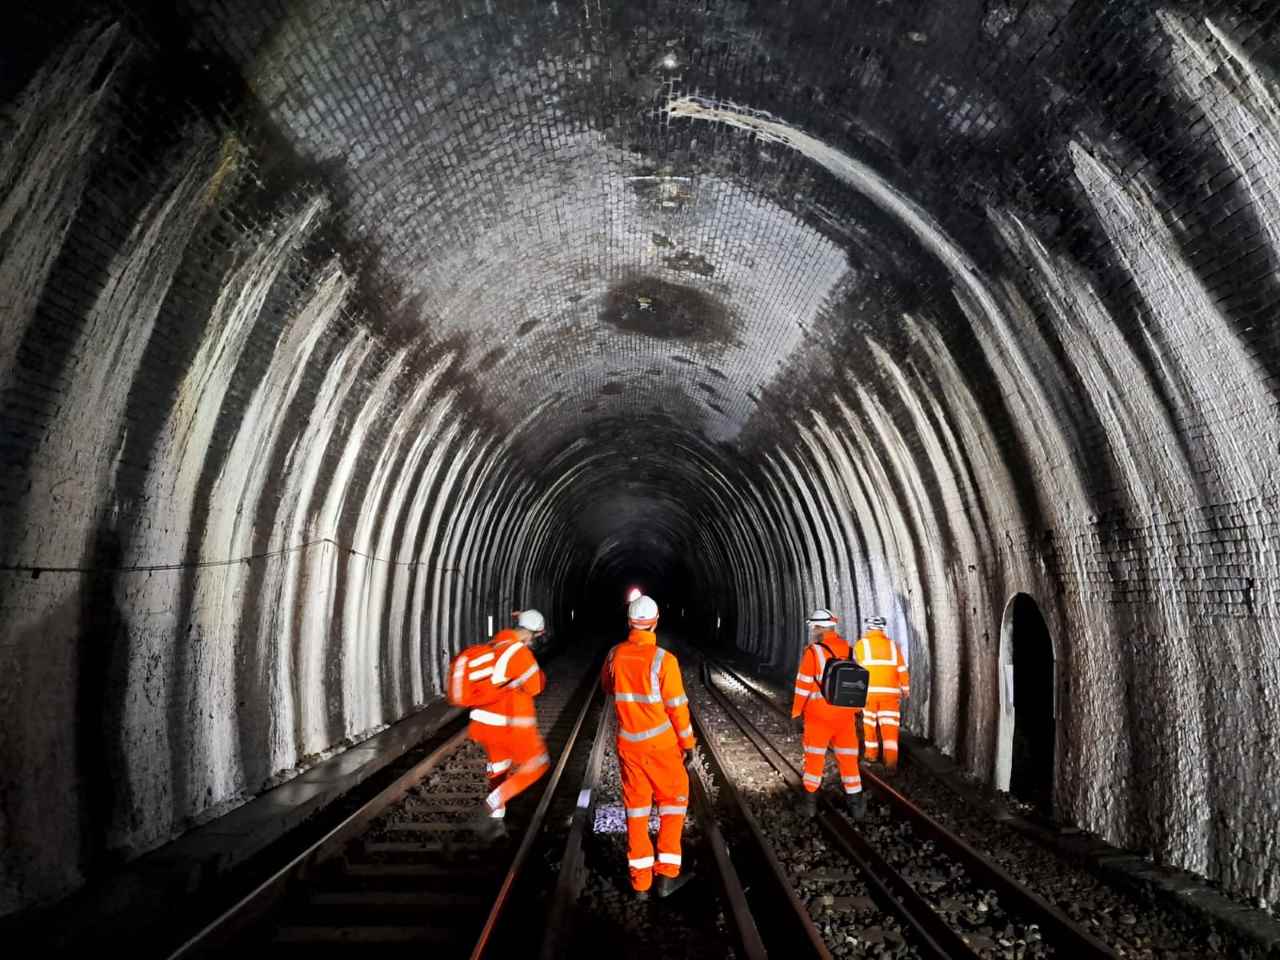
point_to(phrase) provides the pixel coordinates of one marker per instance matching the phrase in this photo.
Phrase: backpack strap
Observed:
(819, 643)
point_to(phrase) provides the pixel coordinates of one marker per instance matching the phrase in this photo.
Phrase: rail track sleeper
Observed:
(406, 898)
(359, 934)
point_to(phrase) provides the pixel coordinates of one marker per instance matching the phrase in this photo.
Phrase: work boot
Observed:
(809, 805)
(641, 895)
(487, 828)
(857, 805)
(665, 886)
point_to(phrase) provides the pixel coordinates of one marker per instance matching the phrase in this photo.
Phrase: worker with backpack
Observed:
(831, 688)
(498, 681)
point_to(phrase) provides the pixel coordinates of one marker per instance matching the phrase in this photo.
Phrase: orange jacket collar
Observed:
(641, 636)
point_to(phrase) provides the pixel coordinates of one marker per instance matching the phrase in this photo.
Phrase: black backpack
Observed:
(843, 682)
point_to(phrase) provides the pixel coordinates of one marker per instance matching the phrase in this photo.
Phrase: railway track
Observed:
(941, 896)
(1131, 922)
(405, 866)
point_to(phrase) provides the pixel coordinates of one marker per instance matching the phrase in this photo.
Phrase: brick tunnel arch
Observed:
(331, 331)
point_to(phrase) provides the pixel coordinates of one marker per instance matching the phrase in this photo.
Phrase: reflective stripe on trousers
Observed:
(880, 722)
(648, 776)
(833, 728)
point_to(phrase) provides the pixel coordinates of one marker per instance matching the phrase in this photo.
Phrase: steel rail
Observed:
(572, 863)
(931, 933)
(257, 901)
(1067, 933)
(737, 911)
(794, 921)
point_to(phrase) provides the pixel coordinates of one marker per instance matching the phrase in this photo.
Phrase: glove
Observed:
(687, 759)
(797, 723)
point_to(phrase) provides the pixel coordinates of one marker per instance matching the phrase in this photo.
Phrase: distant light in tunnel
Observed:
(635, 593)
(670, 61)
(491, 624)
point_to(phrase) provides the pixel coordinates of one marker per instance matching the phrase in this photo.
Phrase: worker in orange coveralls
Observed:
(653, 729)
(825, 725)
(888, 684)
(508, 727)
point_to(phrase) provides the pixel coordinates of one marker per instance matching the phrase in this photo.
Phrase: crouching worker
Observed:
(498, 681)
(655, 742)
(827, 724)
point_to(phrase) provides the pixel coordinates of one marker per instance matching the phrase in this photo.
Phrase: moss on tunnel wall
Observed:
(330, 329)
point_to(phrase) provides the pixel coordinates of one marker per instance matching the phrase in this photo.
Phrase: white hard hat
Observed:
(642, 612)
(874, 623)
(822, 617)
(532, 621)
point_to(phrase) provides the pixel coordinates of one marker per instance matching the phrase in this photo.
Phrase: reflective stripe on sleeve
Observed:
(672, 810)
(500, 668)
(641, 863)
(541, 760)
(802, 692)
(671, 858)
(677, 702)
(686, 732)
(644, 734)
(804, 678)
(518, 681)
(459, 669)
(633, 812)
(655, 687)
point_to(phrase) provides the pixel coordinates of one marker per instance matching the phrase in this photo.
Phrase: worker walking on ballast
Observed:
(826, 724)
(499, 680)
(888, 685)
(653, 729)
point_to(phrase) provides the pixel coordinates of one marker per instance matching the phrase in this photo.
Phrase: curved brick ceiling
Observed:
(332, 330)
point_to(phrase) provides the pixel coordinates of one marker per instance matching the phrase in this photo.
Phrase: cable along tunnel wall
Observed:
(329, 333)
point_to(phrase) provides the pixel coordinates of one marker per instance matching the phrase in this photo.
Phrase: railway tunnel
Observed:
(332, 333)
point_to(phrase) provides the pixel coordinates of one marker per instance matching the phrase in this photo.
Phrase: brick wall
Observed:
(904, 308)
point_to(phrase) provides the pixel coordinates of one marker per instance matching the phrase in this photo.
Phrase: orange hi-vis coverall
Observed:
(508, 727)
(653, 728)
(825, 725)
(886, 686)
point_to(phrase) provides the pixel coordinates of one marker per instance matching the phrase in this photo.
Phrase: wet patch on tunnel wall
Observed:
(667, 311)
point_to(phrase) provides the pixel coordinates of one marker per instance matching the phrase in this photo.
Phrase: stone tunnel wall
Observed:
(900, 307)
(245, 519)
